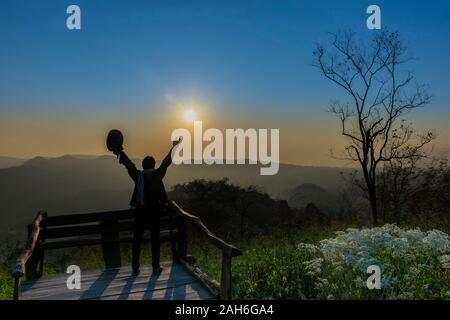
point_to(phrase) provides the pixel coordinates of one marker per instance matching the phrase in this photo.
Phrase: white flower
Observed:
(313, 267)
(437, 240)
(414, 271)
(414, 235)
(321, 283)
(310, 248)
(389, 247)
(445, 261)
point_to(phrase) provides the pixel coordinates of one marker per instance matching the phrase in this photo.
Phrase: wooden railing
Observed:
(228, 252)
(34, 233)
(44, 229)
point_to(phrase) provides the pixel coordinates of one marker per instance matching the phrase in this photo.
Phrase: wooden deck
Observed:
(175, 282)
(179, 280)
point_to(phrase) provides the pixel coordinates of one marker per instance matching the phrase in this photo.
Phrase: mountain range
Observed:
(72, 184)
(6, 162)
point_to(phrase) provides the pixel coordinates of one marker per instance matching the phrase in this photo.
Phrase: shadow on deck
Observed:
(175, 282)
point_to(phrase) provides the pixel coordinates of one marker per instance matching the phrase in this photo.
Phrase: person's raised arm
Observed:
(131, 167)
(167, 161)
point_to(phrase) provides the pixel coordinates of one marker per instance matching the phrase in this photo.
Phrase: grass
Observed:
(276, 268)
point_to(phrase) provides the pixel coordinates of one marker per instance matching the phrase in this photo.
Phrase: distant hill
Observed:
(304, 194)
(6, 162)
(71, 184)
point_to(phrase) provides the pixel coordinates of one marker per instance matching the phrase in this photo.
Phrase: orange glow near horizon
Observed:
(304, 139)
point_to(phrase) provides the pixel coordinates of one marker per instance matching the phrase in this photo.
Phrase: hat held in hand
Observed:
(114, 141)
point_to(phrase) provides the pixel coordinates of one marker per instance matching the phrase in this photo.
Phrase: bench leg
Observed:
(111, 251)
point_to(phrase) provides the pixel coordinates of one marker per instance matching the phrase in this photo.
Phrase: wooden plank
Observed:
(174, 282)
(114, 287)
(80, 218)
(95, 272)
(211, 285)
(185, 292)
(177, 277)
(89, 229)
(83, 230)
(165, 235)
(107, 276)
(87, 277)
(193, 291)
(157, 295)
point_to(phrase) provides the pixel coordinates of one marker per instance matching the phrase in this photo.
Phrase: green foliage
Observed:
(6, 284)
(7, 256)
(230, 209)
(414, 265)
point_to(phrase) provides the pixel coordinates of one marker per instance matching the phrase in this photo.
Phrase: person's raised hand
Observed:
(117, 151)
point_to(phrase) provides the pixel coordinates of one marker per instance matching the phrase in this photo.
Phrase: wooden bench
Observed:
(110, 229)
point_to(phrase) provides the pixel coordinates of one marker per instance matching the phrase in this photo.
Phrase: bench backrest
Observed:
(108, 229)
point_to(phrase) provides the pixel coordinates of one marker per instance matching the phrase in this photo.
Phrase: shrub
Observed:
(414, 264)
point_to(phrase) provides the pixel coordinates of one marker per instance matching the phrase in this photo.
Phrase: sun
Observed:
(190, 116)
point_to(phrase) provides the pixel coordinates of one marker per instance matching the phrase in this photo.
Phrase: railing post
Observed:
(182, 238)
(16, 288)
(225, 285)
(41, 252)
(31, 266)
(172, 226)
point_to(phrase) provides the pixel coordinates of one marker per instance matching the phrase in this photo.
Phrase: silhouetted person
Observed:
(150, 199)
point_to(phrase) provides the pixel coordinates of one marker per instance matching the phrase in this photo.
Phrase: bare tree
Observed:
(380, 94)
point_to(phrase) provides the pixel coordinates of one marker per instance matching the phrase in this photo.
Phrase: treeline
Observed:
(232, 210)
(408, 192)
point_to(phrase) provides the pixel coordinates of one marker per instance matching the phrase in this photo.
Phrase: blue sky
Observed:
(243, 56)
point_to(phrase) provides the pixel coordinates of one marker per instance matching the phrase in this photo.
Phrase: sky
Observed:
(136, 65)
